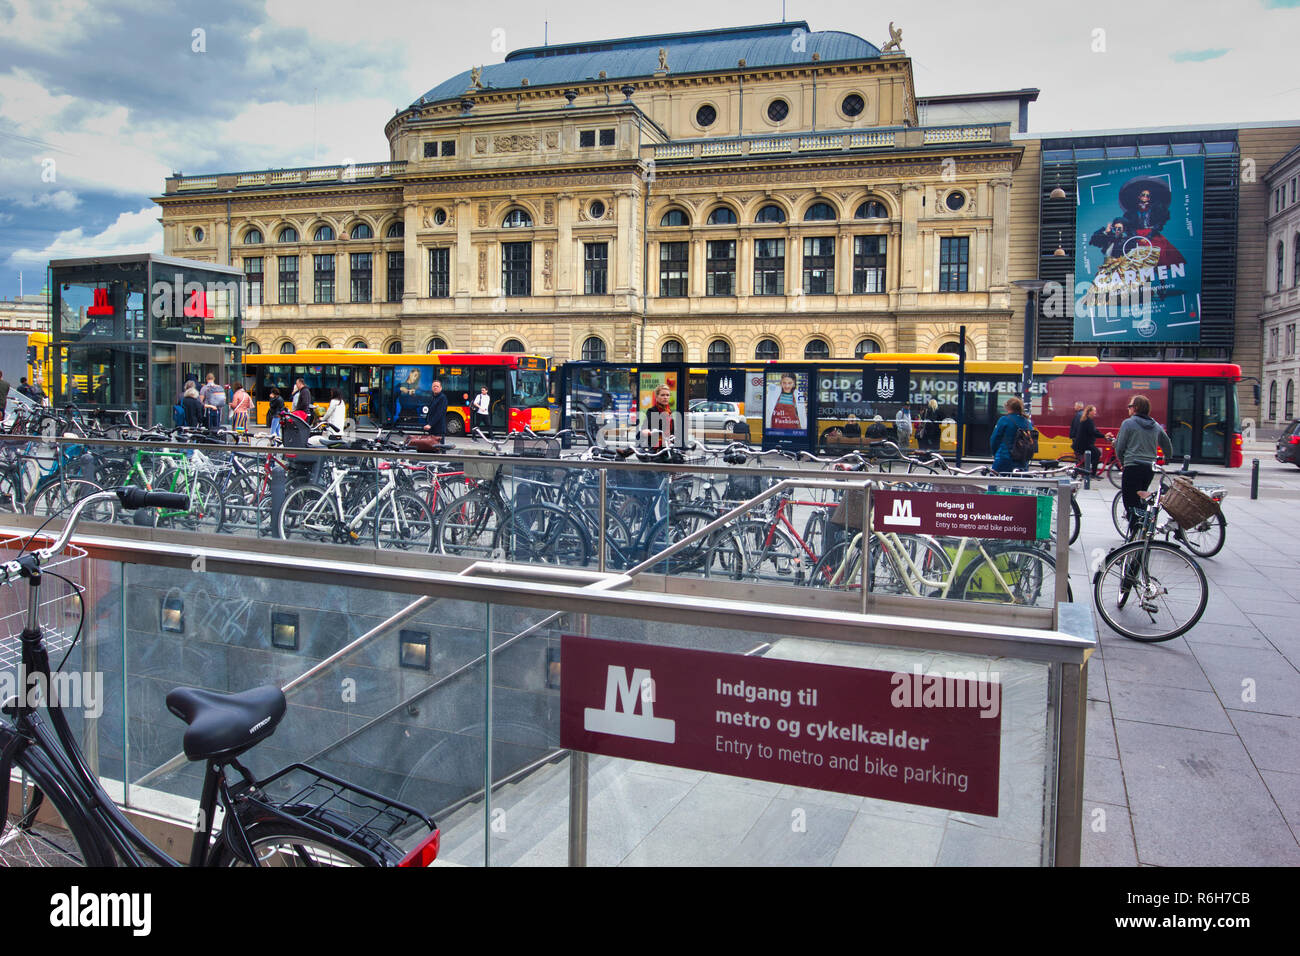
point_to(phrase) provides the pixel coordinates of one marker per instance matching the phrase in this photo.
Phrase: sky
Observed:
(100, 100)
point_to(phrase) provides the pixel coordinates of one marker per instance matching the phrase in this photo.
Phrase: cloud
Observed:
(63, 200)
(1197, 56)
(131, 232)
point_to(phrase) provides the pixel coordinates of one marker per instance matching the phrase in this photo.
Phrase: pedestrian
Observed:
(25, 390)
(903, 427)
(240, 406)
(877, 430)
(4, 392)
(931, 428)
(101, 390)
(194, 411)
(483, 411)
(1074, 423)
(1009, 453)
(275, 405)
(1137, 445)
(435, 420)
(213, 397)
(302, 400)
(336, 414)
(1085, 436)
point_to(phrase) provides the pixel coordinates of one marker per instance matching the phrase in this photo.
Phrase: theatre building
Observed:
(756, 192)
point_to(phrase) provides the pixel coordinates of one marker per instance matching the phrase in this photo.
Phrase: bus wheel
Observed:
(455, 424)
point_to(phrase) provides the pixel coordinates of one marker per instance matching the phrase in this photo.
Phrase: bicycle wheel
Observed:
(773, 557)
(405, 524)
(1118, 515)
(440, 492)
(206, 509)
(245, 505)
(833, 571)
(308, 513)
(1150, 600)
(1207, 538)
(468, 526)
(543, 534)
(1076, 519)
(892, 574)
(58, 497)
(45, 827)
(1115, 473)
(276, 843)
(717, 554)
(1012, 574)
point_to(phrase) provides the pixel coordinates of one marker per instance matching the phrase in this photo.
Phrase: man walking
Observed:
(213, 397)
(483, 411)
(301, 400)
(435, 422)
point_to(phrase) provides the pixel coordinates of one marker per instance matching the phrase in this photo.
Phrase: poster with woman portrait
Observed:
(412, 392)
(785, 413)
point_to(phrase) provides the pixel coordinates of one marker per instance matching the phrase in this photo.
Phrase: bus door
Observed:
(1199, 420)
(498, 385)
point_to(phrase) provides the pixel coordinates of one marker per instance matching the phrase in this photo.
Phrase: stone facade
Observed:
(1280, 359)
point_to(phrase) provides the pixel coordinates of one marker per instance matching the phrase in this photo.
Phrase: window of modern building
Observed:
(770, 213)
(819, 212)
(287, 276)
(288, 234)
(720, 267)
(512, 345)
(767, 350)
(871, 209)
(252, 348)
(675, 217)
(819, 265)
(950, 348)
(817, 349)
(869, 264)
(361, 231)
(394, 348)
(359, 275)
(866, 347)
(673, 269)
(517, 268)
(324, 234)
(517, 219)
(706, 116)
(672, 351)
(439, 273)
(253, 280)
(253, 237)
(769, 266)
(593, 349)
(437, 344)
(287, 348)
(719, 351)
(396, 276)
(954, 263)
(722, 216)
(397, 230)
(323, 279)
(1272, 399)
(595, 268)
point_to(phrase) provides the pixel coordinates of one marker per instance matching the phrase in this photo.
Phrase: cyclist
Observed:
(1136, 447)
(1005, 457)
(1085, 437)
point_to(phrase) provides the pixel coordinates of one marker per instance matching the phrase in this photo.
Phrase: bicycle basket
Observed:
(59, 610)
(536, 447)
(1187, 504)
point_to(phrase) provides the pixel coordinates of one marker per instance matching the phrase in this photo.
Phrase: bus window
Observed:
(529, 387)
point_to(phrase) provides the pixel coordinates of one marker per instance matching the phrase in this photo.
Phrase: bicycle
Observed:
(1204, 538)
(1150, 590)
(63, 816)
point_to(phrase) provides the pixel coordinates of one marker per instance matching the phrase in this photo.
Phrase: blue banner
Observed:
(1138, 250)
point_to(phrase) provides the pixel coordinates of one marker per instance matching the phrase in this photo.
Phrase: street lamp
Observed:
(1032, 287)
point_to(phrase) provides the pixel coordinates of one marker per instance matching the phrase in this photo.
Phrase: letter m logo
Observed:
(901, 516)
(619, 716)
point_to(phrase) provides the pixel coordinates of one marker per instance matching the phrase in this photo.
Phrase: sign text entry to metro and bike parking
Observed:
(926, 739)
(956, 514)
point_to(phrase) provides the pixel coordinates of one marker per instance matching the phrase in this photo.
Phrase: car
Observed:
(1288, 446)
(716, 416)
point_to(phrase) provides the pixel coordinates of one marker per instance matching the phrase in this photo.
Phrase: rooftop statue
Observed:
(895, 39)
(663, 58)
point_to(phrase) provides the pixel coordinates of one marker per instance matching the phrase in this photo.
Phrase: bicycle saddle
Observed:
(223, 726)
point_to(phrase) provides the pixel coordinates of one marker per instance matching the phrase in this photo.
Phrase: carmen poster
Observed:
(1138, 249)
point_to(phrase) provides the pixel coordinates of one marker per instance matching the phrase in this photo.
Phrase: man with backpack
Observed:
(1014, 440)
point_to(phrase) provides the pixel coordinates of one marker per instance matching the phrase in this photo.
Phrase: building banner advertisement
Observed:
(926, 739)
(1138, 250)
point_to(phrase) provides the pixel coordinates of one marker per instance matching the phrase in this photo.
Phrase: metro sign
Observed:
(102, 305)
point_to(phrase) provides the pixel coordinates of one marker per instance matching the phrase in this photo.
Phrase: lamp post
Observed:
(1032, 287)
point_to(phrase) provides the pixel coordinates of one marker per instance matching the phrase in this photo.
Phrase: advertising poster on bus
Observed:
(412, 392)
(786, 410)
(1138, 250)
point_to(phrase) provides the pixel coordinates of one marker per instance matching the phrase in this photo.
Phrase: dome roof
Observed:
(706, 51)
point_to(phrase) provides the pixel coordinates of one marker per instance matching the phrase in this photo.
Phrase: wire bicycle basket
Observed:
(58, 613)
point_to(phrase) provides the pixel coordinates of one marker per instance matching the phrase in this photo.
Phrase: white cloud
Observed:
(131, 232)
(62, 199)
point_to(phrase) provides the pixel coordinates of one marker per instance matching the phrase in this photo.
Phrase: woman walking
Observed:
(1086, 436)
(1006, 458)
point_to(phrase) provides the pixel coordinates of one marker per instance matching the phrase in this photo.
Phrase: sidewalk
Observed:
(1193, 746)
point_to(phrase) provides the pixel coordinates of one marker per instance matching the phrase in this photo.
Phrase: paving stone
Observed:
(1103, 780)
(1276, 682)
(793, 833)
(1242, 635)
(1170, 664)
(1197, 800)
(883, 841)
(1176, 706)
(1099, 735)
(965, 845)
(704, 826)
(1113, 844)
(1273, 742)
(1285, 788)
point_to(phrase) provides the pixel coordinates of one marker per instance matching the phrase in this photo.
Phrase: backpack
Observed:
(1025, 445)
(178, 416)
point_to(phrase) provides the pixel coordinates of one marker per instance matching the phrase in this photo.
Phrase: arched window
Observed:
(593, 350)
(512, 345)
(396, 231)
(1272, 400)
(951, 348)
(252, 348)
(719, 351)
(767, 350)
(871, 210)
(253, 237)
(722, 216)
(360, 344)
(322, 344)
(517, 219)
(1288, 407)
(672, 351)
(288, 234)
(287, 348)
(324, 234)
(395, 348)
(866, 347)
(437, 344)
(675, 217)
(817, 349)
(362, 231)
(819, 212)
(770, 213)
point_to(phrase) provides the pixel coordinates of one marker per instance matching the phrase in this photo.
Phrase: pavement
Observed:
(1193, 745)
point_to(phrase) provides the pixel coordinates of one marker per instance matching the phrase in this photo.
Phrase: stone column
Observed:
(844, 263)
(999, 252)
(464, 278)
(625, 254)
(412, 287)
(910, 253)
(567, 267)
(695, 278)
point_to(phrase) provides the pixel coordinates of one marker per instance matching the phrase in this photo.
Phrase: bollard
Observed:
(1254, 480)
(278, 481)
(1087, 469)
(1187, 462)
